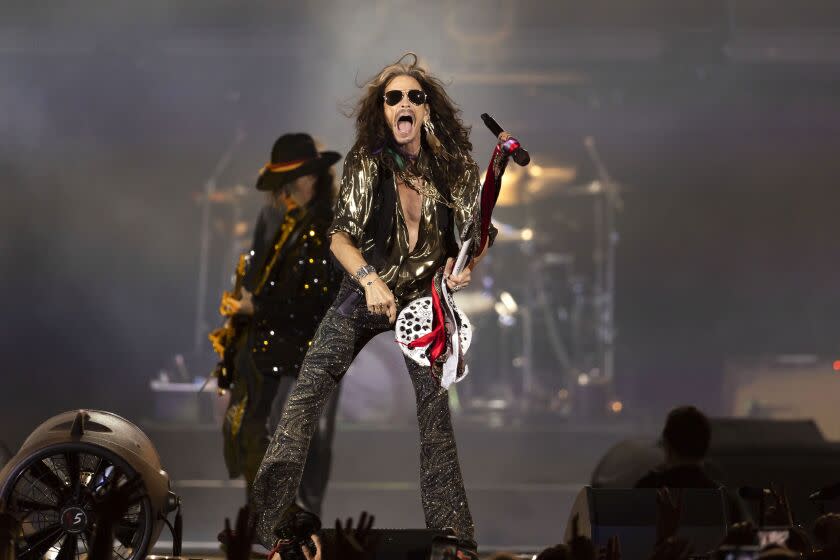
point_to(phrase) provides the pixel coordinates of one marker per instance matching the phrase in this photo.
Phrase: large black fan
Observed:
(69, 465)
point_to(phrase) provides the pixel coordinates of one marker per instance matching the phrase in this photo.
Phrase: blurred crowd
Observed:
(685, 442)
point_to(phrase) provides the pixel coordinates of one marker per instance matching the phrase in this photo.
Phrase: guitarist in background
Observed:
(287, 286)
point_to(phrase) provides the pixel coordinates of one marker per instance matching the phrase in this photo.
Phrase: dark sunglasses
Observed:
(416, 96)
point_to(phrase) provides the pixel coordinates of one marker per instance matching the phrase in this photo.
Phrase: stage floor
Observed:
(521, 479)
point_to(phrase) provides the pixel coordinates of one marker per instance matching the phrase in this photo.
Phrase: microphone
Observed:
(826, 494)
(520, 154)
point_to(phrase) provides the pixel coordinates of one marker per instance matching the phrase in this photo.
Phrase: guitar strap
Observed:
(288, 235)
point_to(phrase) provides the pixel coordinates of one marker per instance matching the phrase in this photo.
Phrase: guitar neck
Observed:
(241, 267)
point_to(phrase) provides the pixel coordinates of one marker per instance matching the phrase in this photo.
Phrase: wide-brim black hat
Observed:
(293, 156)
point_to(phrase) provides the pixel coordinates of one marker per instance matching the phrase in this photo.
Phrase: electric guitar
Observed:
(224, 338)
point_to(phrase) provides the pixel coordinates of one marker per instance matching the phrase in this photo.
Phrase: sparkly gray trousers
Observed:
(344, 331)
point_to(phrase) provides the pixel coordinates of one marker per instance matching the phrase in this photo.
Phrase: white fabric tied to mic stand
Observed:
(450, 366)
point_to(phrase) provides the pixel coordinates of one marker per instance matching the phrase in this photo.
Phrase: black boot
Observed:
(294, 530)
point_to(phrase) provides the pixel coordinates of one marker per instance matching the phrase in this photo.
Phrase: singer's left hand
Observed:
(456, 282)
(504, 136)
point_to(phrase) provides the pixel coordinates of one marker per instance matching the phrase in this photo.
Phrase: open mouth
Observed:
(405, 124)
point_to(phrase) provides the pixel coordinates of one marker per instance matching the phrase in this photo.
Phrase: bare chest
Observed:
(411, 203)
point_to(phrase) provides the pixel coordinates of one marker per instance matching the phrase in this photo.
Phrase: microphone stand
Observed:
(606, 239)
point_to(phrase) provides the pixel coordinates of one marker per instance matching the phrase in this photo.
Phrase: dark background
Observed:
(722, 118)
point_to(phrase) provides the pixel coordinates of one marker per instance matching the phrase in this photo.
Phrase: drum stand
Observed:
(587, 362)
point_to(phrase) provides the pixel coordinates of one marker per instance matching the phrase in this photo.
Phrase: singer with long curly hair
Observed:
(409, 184)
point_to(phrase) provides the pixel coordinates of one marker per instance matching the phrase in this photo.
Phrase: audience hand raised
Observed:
(238, 542)
(354, 544)
(317, 554)
(580, 547)
(612, 551)
(110, 503)
(114, 499)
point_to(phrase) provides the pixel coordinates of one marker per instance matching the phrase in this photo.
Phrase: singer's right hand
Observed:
(459, 281)
(504, 136)
(379, 299)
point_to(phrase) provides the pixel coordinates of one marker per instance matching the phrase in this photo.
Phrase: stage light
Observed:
(616, 406)
(510, 304)
(583, 379)
(240, 228)
(497, 404)
(506, 319)
(506, 307)
(513, 174)
(553, 173)
(527, 234)
(836, 365)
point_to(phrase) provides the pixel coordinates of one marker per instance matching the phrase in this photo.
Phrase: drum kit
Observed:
(541, 302)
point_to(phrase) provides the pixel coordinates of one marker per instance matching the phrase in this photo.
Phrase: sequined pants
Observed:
(258, 399)
(344, 331)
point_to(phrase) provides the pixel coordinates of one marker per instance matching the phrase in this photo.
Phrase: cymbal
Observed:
(510, 234)
(474, 302)
(222, 196)
(539, 190)
(520, 184)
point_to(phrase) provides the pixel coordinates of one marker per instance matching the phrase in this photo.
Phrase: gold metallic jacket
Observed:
(407, 273)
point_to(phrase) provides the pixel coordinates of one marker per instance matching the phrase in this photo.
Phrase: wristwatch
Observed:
(364, 271)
